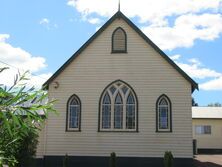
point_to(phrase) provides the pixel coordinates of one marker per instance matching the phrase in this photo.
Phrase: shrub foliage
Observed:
(113, 159)
(168, 159)
(20, 121)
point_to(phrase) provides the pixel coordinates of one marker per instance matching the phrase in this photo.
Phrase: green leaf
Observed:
(15, 127)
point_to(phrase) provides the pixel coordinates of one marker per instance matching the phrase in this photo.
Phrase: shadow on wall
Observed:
(205, 164)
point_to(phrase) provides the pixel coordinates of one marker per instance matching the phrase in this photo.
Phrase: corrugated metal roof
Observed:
(31, 102)
(207, 112)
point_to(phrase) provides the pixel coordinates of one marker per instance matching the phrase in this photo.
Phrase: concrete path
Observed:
(208, 160)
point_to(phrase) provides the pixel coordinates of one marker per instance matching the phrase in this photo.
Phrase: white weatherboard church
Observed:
(118, 93)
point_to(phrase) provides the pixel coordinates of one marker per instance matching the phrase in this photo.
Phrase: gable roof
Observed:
(119, 14)
(207, 112)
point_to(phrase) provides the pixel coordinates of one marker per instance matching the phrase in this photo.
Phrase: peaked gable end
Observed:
(141, 34)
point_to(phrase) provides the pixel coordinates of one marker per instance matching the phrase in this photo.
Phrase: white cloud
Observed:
(146, 10)
(175, 57)
(195, 61)
(47, 23)
(18, 58)
(44, 21)
(98, 27)
(38, 80)
(195, 69)
(186, 30)
(3, 37)
(8, 76)
(194, 19)
(94, 20)
(215, 84)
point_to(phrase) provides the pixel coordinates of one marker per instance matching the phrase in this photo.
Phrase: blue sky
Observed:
(41, 35)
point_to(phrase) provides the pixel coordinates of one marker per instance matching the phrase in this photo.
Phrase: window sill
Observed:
(168, 131)
(73, 130)
(116, 52)
(119, 131)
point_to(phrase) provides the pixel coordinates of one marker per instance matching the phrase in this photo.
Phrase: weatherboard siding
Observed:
(40, 146)
(147, 73)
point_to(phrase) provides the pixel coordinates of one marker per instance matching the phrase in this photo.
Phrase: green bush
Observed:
(19, 122)
(65, 161)
(112, 159)
(168, 159)
(27, 150)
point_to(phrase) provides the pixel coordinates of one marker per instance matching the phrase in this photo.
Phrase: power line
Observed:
(21, 69)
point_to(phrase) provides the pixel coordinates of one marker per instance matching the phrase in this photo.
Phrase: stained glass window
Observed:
(118, 112)
(73, 113)
(118, 108)
(164, 114)
(130, 112)
(106, 112)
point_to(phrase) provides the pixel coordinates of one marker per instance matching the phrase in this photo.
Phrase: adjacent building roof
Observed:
(207, 112)
(119, 14)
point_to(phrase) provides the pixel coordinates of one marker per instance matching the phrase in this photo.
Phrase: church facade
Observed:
(118, 93)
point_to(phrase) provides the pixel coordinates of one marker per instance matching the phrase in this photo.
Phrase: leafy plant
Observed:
(20, 118)
(113, 159)
(26, 153)
(65, 161)
(168, 159)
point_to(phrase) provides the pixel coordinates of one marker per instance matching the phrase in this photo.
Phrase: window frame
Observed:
(202, 126)
(169, 129)
(119, 106)
(119, 51)
(112, 129)
(129, 105)
(78, 129)
(102, 106)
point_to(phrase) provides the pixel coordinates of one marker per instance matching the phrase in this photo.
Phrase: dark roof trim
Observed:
(131, 24)
(193, 83)
(208, 118)
(46, 84)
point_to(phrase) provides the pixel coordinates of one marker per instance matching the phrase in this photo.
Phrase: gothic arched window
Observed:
(73, 114)
(119, 41)
(163, 115)
(118, 108)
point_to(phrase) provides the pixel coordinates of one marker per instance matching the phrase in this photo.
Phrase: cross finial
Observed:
(119, 6)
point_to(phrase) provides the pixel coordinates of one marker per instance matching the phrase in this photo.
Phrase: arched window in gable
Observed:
(119, 113)
(119, 41)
